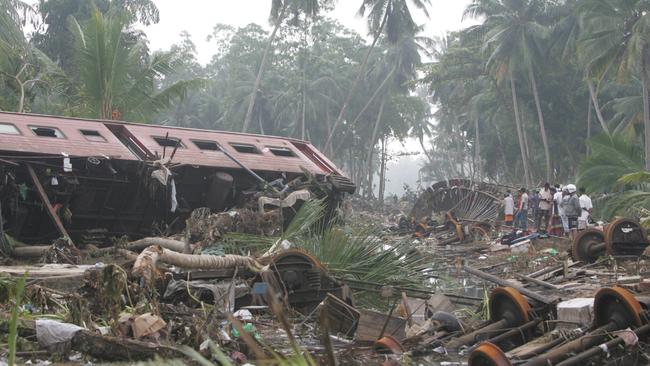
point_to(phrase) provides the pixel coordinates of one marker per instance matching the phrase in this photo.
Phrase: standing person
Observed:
(544, 213)
(586, 207)
(556, 222)
(533, 203)
(572, 208)
(508, 208)
(521, 215)
(559, 195)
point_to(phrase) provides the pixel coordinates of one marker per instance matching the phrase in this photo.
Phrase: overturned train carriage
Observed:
(96, 179)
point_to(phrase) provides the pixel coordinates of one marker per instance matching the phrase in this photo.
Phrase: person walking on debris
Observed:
(571, 207)
(521, 216)
(508, 208)
(544, 212)
(556, 222)
(585, 209)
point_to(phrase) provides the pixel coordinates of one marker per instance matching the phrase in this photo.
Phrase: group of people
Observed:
(557, 211)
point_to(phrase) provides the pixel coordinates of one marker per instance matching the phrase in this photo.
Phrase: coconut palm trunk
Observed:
(520, 135)
(355, 84)
(646, 115)
(371, 145)
(540, 118)
(477, 151)
(593, 94)
(260, 71)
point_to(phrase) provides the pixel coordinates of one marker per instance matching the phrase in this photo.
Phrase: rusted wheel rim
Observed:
(487, 354)
(616, 303)
(506, 302)
(582, 242)
(299, 256)
(388, 344)
(615, 229)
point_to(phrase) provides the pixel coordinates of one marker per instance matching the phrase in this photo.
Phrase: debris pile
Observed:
(251, 285)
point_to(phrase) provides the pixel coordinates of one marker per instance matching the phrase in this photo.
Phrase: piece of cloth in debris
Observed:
(51, 332)
(223, 293)
(289, 201)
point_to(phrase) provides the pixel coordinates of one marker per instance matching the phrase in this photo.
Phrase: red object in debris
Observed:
(388, 344)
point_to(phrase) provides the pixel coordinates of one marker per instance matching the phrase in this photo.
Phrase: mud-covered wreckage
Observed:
(91, 180)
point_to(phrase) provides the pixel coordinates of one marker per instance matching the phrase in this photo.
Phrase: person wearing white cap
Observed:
(572, 208)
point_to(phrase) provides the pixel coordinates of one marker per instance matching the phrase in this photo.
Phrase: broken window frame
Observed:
(198, 142)
(11, 125)
(236, 145)
(58, 134)
(94, 136)
(176, 141)
(285, 152)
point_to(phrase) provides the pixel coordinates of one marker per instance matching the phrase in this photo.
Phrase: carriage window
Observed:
(47, 132)
(8, 129)
(168, 141)
(206, 145)
(282, 151)
(245, 148)
(92, 135)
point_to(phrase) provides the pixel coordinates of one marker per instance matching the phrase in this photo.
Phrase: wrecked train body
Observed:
(92, 180)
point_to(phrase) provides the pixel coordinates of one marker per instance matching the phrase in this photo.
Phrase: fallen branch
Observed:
(146, 262)
(171, 244)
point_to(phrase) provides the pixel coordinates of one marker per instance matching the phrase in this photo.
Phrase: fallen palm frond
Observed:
(349, 253)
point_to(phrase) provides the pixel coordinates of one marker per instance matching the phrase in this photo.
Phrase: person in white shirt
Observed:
(560, 210)
(508, 208)
(545, 204)
(586, 206)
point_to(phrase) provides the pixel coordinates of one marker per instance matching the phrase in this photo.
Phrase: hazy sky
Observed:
(198, 17)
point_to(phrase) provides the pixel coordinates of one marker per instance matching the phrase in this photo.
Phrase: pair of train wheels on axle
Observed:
(614, 309)
(621, 237)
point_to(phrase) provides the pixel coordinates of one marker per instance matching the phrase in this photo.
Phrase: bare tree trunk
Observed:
(520, 135)
(542, 128)
(589, 106)
(382, 171)
(260, 71)
(371, 145)
(646, 113)
(353, 88)
(477, 152)
(594, 99)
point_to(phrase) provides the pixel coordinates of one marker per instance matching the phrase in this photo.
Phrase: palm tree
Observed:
(391, 18)
(117, 76)
(512, 35)
(616, 39)
(279, 11)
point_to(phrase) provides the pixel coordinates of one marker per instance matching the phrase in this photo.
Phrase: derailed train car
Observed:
(91, 180)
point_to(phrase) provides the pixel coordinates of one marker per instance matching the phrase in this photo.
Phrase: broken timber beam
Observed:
(46, 201)
(501, 282)
(537, 282)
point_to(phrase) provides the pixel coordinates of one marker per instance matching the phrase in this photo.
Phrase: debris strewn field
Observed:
(362, 285)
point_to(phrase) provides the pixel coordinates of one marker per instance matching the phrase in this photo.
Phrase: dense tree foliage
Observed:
(514, 98)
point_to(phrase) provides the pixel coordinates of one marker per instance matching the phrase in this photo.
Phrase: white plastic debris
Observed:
(52, 332)
(243, 314)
